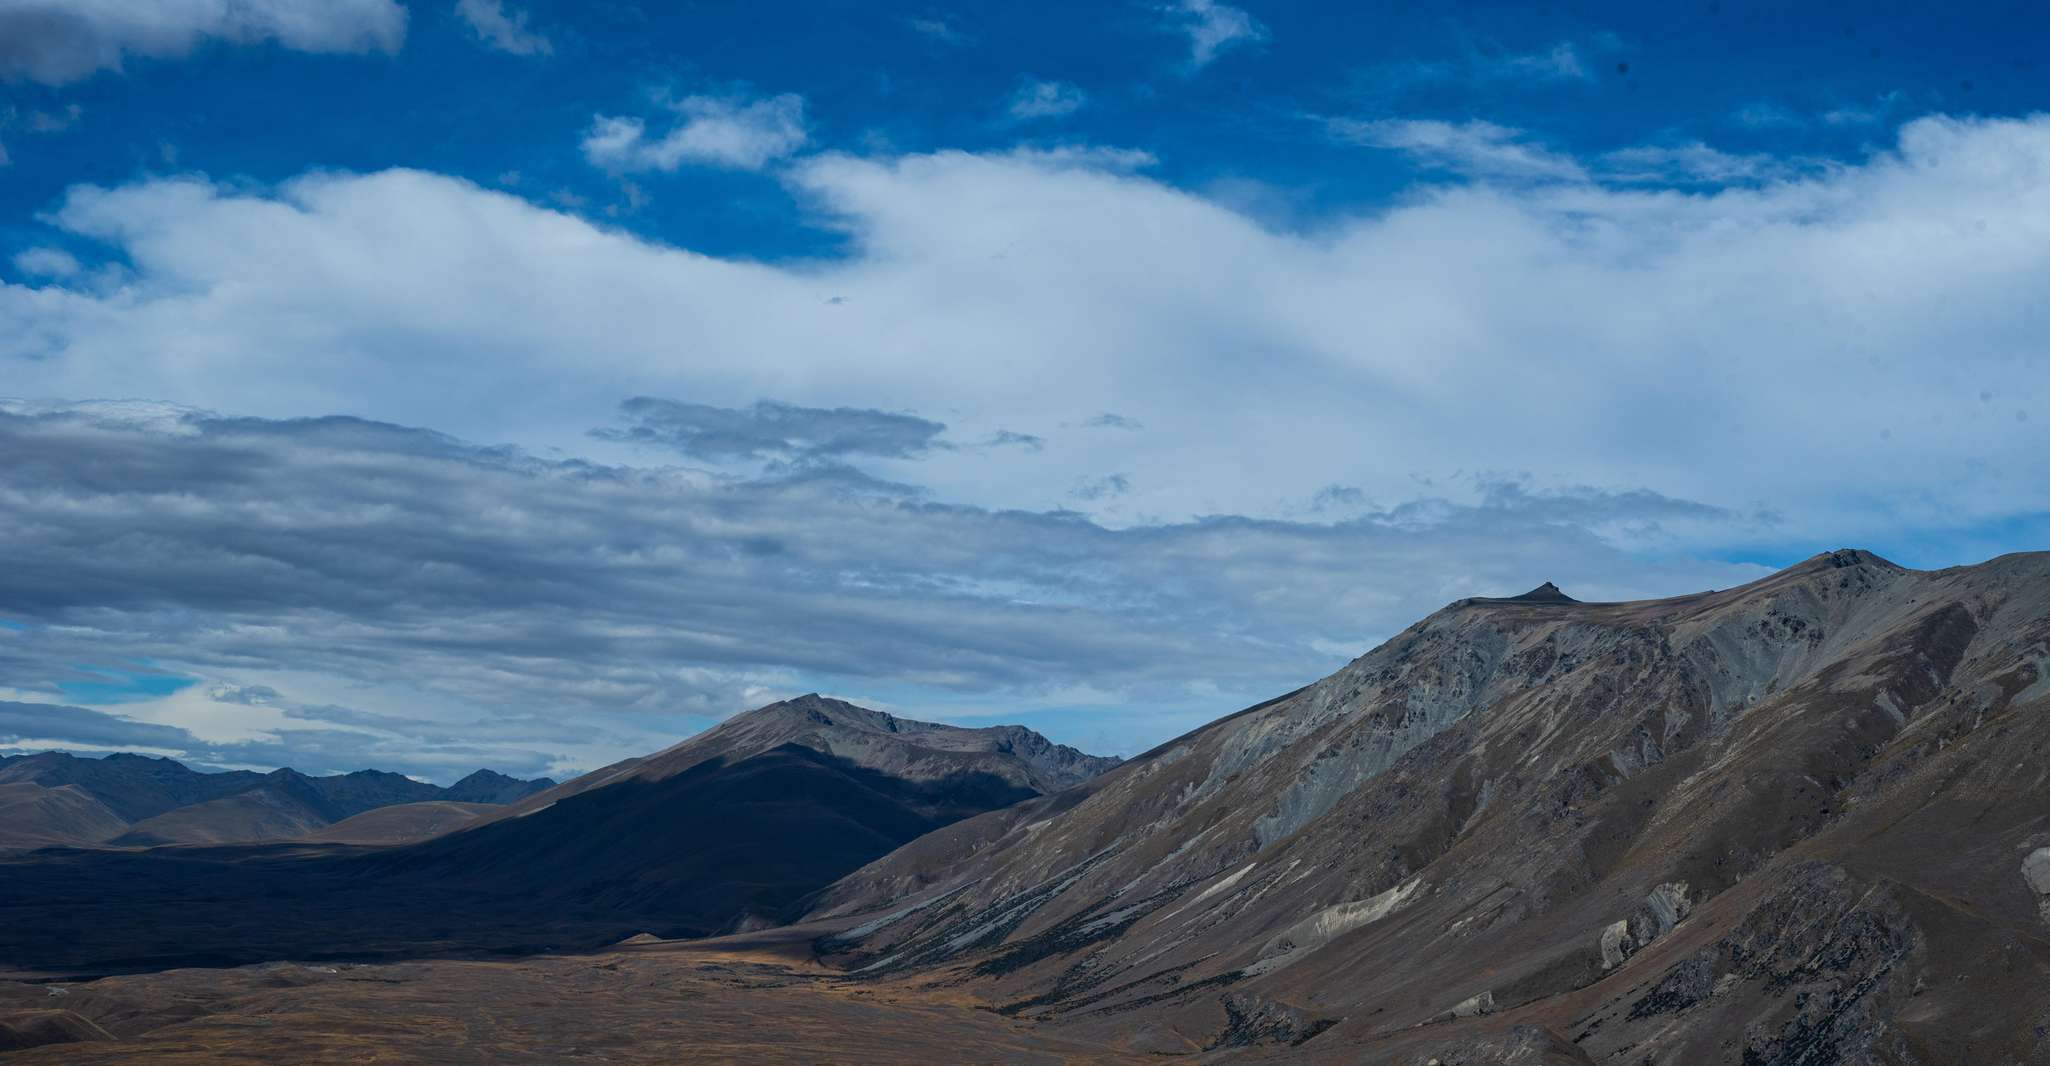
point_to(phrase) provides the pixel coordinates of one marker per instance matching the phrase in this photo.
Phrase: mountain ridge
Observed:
(1498, 811)
(159, 800)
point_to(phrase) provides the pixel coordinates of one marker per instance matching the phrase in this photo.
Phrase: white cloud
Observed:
(1589, 333)
(1046, 99)
(55, 42)
(46, 263)
(710, 131)
(1212, 28)
(1477, 147)
(502, 28)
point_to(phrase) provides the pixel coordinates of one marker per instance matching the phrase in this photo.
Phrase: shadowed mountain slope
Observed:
(732, 828)
(737, 824)
(402, 823)
(1802, 821)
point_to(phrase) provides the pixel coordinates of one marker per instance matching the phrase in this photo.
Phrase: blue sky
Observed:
(526, 383)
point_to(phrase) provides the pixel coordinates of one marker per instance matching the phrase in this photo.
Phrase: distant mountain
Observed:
(730, 829)
(1806, 820)
(258, 814)
(36, 816)
(735, 825)
(123, 800)
(490, 786)
(402, 823)
(132, 786)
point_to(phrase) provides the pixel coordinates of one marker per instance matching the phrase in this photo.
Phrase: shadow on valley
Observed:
(721, 845)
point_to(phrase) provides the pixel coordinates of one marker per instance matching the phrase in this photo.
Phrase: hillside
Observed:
(733, 828)
(1804, 820)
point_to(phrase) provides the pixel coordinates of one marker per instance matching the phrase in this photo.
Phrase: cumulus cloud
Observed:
(1046, 99)
(709, 131)
(503, 28)
(771, 430)
(55, 42)
(1212, 28)
(1593, 333)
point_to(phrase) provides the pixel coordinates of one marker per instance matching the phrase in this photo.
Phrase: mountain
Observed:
(124, 800)
(258, 814)
(402, 823)
(134, 787)
(490, 786)
(35, 816)
(1806, 820)
(737, 824)
(733, 828)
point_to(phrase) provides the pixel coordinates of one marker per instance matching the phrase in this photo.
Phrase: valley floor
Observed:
(639, 1003)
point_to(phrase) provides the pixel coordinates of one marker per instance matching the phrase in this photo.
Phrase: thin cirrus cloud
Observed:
(56, 42)
(1477, 65)
(735, 133)
(1476, 148)
(1485, 150)
(502, 28)
(1046, 99)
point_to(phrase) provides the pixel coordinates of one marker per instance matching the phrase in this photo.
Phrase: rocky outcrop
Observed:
(1662, 910)
(2036, 871)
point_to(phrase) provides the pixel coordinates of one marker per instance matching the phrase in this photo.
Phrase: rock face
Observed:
(2036, 871)
(1778, 823)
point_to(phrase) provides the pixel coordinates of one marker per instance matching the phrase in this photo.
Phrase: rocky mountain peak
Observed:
(1545, 593)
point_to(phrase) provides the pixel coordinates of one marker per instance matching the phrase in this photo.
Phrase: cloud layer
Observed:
(55, 42)
(1761, 347)
(235, 549)
(1590, 370)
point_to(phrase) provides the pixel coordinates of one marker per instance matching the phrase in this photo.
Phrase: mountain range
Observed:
(122, 800)
(1805, 820)
(734, 828)
(1802, 821)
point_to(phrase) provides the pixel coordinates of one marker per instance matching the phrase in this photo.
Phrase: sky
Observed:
(433, 385)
